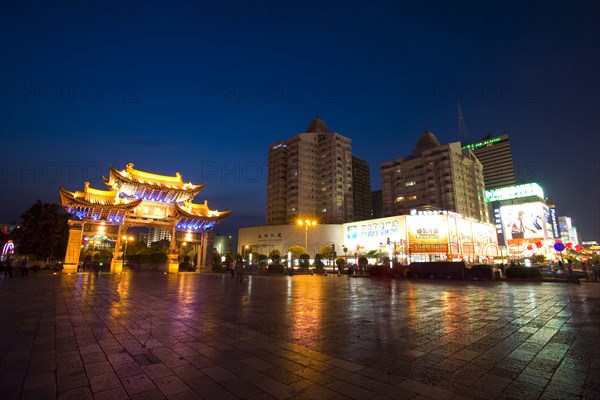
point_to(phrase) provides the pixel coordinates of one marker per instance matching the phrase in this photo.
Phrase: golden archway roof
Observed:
(141, 184)
(190, 210)
(198, 216)
(161, 198)
(96, 204)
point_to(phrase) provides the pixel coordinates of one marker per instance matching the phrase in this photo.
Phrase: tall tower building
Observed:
(361, 178)
(495, 156)
(376, 204)
(310, 175)
(435, 176)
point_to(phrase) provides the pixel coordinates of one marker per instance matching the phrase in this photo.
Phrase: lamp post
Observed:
(126, 239)
(307, 223)
(247, 247)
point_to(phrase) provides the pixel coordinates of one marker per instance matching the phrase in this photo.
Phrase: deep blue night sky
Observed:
(204, 87)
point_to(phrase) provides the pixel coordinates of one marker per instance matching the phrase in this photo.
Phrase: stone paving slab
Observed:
(203, 336)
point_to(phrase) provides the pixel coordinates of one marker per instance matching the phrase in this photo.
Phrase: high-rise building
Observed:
(495, 156)
(158, 234)
(376, 204)
(434, 177)
(310, 175)
(361, 187)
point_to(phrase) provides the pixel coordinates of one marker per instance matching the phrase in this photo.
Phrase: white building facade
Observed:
(422, 236)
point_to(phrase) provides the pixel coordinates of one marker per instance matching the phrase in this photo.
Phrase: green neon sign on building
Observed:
(514, 192)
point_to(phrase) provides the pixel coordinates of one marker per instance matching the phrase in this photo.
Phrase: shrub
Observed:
(442, 270)
(363, 262)
(481, 272)
(523, 272)
(275, 269)
(377, 270)
(304, 260)
(319, 261)
(263, 260)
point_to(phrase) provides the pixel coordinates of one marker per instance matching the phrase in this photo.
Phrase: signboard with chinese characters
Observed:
(427, 234)
(380, 229)
(150, 209)
(498, 223)
(269, 237)
(554, 223)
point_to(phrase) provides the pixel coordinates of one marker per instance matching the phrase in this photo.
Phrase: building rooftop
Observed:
(426, 141)
(317, 125)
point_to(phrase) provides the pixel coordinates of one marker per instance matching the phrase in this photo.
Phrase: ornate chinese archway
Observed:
(137, 198)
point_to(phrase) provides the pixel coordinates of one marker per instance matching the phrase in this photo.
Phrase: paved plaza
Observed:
(203, 336)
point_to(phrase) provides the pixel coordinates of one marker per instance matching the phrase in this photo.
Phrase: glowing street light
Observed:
(126, 239)
(307, 223)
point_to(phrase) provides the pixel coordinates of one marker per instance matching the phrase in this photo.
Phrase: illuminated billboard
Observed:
(483, 143)
(427, 234)
(554, 222)
(446, 235)
(527, 222)
(514, 192)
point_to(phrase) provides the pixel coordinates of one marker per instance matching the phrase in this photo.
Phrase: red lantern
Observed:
(569, 245)
(529, 247)
(579, 247)
(538, 245)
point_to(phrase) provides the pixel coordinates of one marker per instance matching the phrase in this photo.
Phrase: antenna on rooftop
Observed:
(462, 128)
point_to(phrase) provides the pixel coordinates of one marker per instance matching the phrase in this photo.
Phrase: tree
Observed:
(326, 252)
(296, 251)
(275, 257)
(44, 232)
(538, 258)
(275, 254)
(216, 257)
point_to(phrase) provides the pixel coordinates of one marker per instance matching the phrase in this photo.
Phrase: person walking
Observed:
(570, 269)
(239, 271)
(596, 269)
(231, 267)
(8, 267)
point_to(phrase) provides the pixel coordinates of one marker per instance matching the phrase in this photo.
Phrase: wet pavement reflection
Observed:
(201, 335)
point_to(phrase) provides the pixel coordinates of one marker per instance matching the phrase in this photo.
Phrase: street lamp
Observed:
(306, 223)
(126, 239)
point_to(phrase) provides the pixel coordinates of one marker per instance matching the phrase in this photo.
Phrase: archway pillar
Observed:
(172, 266)
(116, 264)
(205, 251)
(73, 247)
